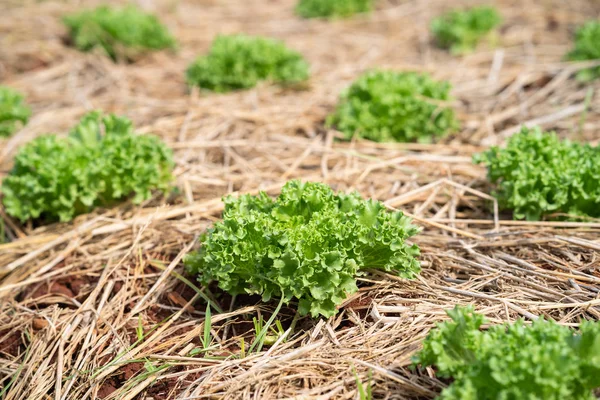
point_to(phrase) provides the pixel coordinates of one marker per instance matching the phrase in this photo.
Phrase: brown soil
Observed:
(128, 371)
(108, 387)
(11, 343)
(63, 289)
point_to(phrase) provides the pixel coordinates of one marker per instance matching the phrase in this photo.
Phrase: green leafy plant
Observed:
(461, 31)
(332, 8)
(543, 361)
(123, 33)
(309, 243)
(240, 62)
(395, 106)
(14, 113)
(587, 47)
(101, 162)
(538, 174)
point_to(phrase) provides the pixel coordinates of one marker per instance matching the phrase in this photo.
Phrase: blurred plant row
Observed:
(537, 176)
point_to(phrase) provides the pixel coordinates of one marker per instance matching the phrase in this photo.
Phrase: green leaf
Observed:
(240, 62)
(395, 106)
(543, 361)
(587, 47)
(14, 113)
(206, 340)
(261, 329)
(537, 174)
(461, 31)
(101, 162)
(306, 244)
(123, 33)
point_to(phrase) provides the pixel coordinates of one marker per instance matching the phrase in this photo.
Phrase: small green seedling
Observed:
(150, 369)
(365, 392)
(139, 330)
(274, 333)
(121, 355)
(262, 329)
(206, 339)
(461, 31)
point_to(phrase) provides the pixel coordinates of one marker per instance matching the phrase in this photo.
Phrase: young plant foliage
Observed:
(240, 62)
(461, 31)
(309, 243)
(101, 162)
(587, 47)
(123, 33)
(332, 8)
(538, 174)
(543, 361)
(395, 106)
(14, 113)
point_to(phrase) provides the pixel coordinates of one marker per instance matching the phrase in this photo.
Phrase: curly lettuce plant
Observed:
(542, 361)
(587, 47)
(309, 244)
(332, 8)
(240, 62)
(538, 174)
(395, 106)
(14, 113)
(101, 162)
(123, 33)
(461, 31)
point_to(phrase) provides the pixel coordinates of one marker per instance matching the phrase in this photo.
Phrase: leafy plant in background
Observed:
(240, 62)
(395, 106)
(332, 8)
(461, 31)
(14, 113)
(101, 161)
(587, 47)
(309, 243)
(123, 33)
(538, 174)
(544, 361)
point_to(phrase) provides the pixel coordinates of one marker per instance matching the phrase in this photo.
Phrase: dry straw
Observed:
(98, 308)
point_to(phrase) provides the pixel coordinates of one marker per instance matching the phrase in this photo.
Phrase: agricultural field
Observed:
(299, 199)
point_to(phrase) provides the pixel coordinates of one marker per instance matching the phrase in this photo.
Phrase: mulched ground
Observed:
(97, 308)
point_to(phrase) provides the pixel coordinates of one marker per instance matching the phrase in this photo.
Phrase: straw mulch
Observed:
(97, 308)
